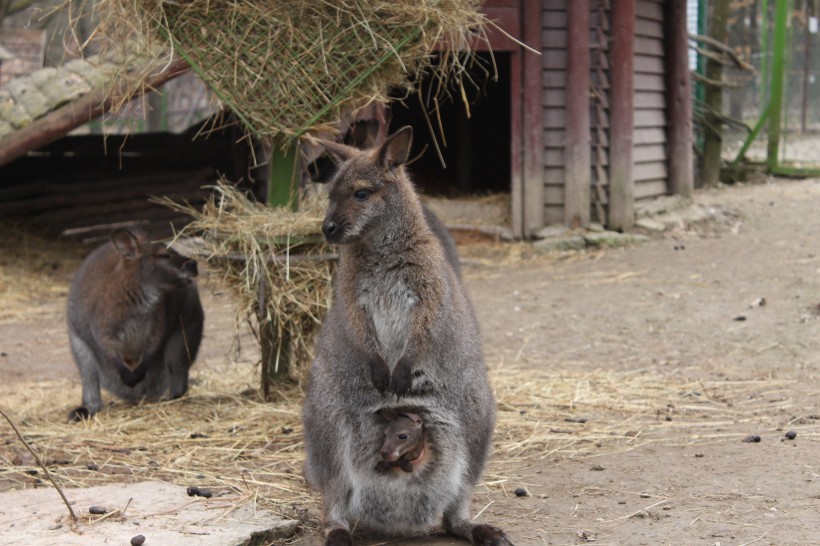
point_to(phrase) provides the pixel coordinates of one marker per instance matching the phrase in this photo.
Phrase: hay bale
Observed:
(289, 67)
(253, 245)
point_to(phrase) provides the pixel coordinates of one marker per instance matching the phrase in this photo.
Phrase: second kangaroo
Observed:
(134, 321)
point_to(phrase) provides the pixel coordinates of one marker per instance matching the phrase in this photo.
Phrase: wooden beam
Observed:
(57, 123)
(622, 124)
(533, 127)
(577, 152)
(679, 105)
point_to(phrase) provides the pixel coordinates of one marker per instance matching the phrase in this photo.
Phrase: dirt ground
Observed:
(727, 308)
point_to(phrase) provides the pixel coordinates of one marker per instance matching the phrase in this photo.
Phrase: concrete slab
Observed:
(162, 512)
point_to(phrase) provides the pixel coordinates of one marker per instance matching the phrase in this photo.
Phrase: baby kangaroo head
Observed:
(402, 435)
(363, 193)
(152, 264)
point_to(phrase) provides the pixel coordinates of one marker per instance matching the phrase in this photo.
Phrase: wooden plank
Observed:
(554, 214)
(554, 59)
(554, 194)
(555, 97)
(651, 10)
(554, 138)
(650, 189)
(649, 28)
(554, 79)
(650, 99)
(532, 122)
(650, 65)
(650, 82)
(681, 174)
(554, 157)
(654, 170)
(554, 19)
(649, 118)
(621, 215)
(577, 119)
(554, 175)
(553, 39)
(650, 135)
(555, 118)
(650, 152)
(648, 46)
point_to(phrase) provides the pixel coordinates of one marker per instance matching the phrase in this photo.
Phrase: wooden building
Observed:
(600, 119)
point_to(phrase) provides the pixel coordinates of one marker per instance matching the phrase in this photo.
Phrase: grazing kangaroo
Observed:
(400, 327)
(134, 321)
(403, 441)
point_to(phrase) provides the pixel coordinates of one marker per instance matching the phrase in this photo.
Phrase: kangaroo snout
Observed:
(190, 268)
(331, 230)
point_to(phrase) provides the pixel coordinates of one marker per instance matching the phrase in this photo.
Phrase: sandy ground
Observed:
(684, 308)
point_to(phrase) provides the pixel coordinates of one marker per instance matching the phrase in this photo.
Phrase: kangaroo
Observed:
(134, 321)
(400, 327)
(403, 441)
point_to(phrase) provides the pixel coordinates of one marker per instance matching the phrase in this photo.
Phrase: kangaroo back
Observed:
(401, 333)
(134, 320)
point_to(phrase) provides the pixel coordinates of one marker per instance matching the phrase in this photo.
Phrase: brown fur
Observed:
(134, 321)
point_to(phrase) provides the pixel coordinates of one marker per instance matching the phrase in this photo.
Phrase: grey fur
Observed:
(134, 321)
(398, 299)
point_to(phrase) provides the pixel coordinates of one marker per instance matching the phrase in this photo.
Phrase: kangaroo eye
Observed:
(361, 195)
(402, 436)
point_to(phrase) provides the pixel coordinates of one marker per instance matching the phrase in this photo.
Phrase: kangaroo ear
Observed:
(125, 243)
(395, 150)
(339, 150)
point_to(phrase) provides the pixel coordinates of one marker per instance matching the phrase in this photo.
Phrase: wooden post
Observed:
(713, 97)
(577, 151)
(679, 105)
(622, 121)
(533, 126)
(277, 350)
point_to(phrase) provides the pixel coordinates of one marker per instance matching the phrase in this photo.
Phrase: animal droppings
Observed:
(751, 438)
(520, 492)
(97, 510)
(138, 540)
(194, 491)
(791, 435)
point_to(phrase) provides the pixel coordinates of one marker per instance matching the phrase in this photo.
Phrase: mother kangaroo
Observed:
(400, 334)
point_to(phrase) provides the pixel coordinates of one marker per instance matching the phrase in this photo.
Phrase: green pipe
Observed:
(764, 51)
(776, 102)
(752, 136)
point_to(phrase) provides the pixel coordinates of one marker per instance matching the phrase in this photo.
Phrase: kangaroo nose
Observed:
(190, 268)
(329, 227)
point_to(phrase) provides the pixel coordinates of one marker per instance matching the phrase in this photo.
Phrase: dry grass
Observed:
(250, 245)
(289, 67)
(223, 436)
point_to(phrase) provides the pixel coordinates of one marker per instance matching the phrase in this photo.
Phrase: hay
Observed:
(224, 437)
(252, 245)
(294, 66)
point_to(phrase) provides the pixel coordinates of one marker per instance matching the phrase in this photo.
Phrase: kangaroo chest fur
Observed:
(388, 304)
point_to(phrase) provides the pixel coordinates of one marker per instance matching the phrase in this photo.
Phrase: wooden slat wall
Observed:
(554, 62)
(651, 176)
(599, 35)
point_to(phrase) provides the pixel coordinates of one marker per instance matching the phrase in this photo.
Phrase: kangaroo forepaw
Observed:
(78, 414)
(402, 379)
(339, 537)
(487, 535)
(380, 375)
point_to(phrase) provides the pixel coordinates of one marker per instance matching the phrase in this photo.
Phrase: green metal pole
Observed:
(776, 103)
(283, 170)
(764, 51)
(700, 91)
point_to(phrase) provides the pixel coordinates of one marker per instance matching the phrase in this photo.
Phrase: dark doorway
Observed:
(476, 150)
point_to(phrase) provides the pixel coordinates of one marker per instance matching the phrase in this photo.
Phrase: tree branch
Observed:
(740, 63)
